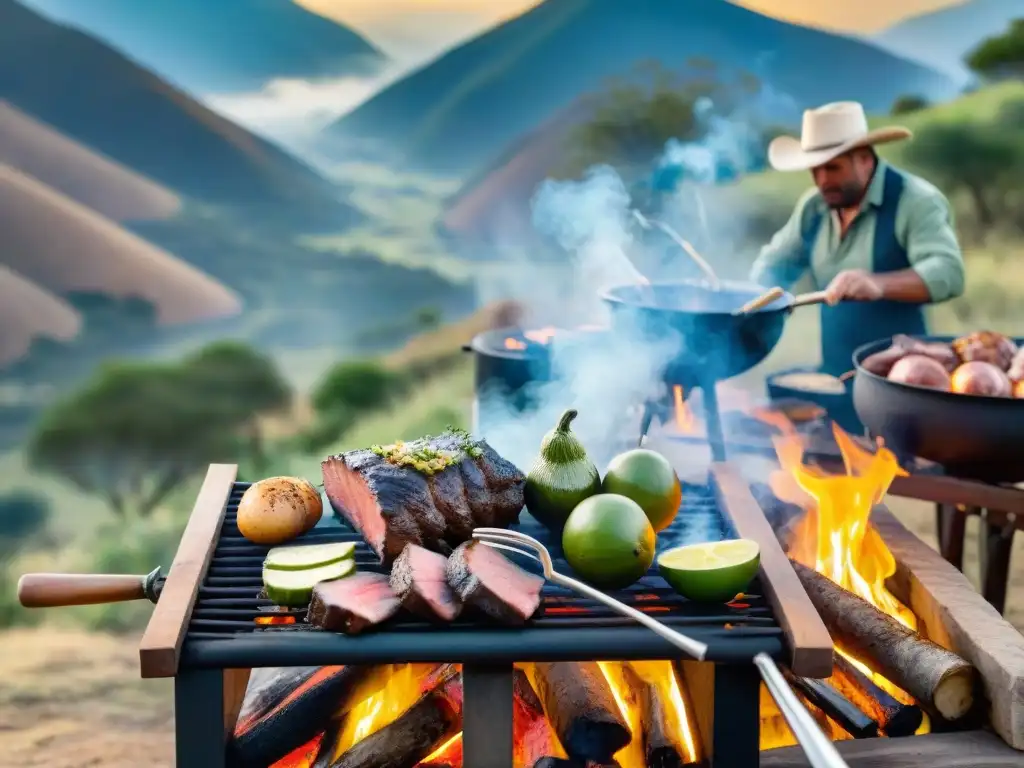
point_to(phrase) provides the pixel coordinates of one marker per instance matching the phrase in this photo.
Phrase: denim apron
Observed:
(849, 325)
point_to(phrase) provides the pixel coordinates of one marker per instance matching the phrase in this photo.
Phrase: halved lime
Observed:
(713, 572)
(300, 558)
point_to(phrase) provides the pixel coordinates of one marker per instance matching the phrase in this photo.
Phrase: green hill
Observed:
(90, 92)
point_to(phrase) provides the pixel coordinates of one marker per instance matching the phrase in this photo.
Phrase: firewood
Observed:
(582, 710)
(939, 679)
(894, 717)
(420, 730)
(837, 706)
(296, 719)
(659, 748)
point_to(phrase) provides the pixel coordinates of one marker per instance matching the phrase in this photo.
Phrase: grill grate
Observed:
(229, 603)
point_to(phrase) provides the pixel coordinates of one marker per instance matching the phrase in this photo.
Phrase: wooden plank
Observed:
(953, 490)
(955, 616)
(973, 749)
(161, 642)
(809, 640)
(235, 683)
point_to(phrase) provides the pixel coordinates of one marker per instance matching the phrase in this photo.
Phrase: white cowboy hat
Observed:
(828, 132)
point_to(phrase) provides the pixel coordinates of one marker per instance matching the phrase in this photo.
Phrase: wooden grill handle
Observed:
(57, 590)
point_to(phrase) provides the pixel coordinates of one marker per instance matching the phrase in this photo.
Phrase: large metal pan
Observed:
(713, 341)
(971, 436)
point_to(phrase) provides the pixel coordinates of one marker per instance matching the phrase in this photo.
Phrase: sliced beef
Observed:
(352, 604)
(490, 582)
(392, 505)
(418, 579)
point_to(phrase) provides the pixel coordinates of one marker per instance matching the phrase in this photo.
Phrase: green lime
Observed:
(609, 541)
(714, 572)
(647, 478)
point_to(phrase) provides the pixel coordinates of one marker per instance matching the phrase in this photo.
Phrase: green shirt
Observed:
(924, 227)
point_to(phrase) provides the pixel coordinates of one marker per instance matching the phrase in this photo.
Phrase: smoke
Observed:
(603, 376)
(607, 377)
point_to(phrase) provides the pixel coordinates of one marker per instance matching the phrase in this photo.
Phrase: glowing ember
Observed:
(450, 752)
(543, 336)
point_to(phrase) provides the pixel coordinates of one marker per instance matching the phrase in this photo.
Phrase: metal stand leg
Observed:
(737, 717)
(951, 527)
(487, 705)
(995, 545)
(199, 718)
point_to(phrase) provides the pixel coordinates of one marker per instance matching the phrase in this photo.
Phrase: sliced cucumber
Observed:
(295, 588)
(309, 556)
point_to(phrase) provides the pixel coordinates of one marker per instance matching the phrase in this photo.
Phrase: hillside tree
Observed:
(137, 431)
(1001, 56)
(904, 105)
(967, 156)
(636, 115)
(239, 385)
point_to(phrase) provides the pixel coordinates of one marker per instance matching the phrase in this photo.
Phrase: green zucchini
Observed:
(295, 588)
(300, 558)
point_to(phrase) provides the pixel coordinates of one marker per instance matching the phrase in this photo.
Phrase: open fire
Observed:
(541, 336)
(630, 715)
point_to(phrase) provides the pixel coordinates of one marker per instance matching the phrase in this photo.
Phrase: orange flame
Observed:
(684, 417)
(835, 537)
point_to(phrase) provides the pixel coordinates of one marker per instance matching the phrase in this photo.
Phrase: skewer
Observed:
(690, 251)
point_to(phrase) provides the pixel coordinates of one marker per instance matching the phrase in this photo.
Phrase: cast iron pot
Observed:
(970, 436)
(713, 342)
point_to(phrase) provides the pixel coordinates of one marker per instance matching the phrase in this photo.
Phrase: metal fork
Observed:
(816, 745)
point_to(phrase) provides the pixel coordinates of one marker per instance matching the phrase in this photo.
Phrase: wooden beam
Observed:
(954, 615)
(235, 683)
(971, 749)
(160, 647)
(809, 641)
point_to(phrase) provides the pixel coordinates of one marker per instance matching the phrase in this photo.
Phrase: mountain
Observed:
(93, 94)
(943, 38)
(93, 180)
(28, 312)
(460, 110)
(221, 46)
(67, 248)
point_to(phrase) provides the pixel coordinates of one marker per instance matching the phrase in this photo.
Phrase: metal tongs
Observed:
(816, 745)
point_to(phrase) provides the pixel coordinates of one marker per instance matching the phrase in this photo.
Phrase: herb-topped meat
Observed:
(430, 492)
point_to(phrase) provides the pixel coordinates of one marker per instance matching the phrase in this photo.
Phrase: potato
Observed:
(1018, 388)
(920, 371)
(986, 347)
(314, 504)
(274, 510)
(981, 378)
(1016, 372)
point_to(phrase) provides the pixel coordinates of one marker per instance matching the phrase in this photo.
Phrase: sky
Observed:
(457, 18)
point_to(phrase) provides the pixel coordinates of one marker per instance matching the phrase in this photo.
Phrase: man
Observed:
(879, 241)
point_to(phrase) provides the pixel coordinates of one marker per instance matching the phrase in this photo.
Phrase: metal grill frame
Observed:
(211, 673)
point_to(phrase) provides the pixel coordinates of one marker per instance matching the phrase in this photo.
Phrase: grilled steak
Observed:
(352, 604)
(418, 579)
(492, 583)
(393, 504)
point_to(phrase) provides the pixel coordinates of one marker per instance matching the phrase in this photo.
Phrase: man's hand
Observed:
(853, 285)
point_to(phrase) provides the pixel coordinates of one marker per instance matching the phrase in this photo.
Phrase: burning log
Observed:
(329, 744)
(894, 717)
(295, 720)
(434, 719)
(836, 706)
(581, 708)
(558, 762)
(660, 749)
(939, 679)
